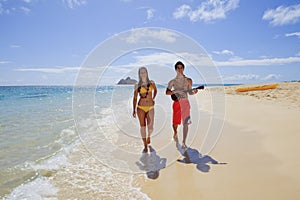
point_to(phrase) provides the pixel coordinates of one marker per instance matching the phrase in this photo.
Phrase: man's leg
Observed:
(186, 120)
(175, 137)
(176, 118)
(185, 133)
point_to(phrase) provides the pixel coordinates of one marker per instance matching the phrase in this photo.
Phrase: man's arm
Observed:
(168, 90)
(191, 91)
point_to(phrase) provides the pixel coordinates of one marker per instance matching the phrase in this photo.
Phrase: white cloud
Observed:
(150, 13)
(3, 81)
(61, 69)
(74, 3)
(235, 59)
(7, 8)
(49, 70)
(240, 77)
(283, 15)
(14, 46)
(169, 59)
(142, 34)
(203, 60)
(1, 9)
(297, 34)
(26, 10)
(259, 62)
(229, 54)
(250, 77)
(159, 58)
(182, 11)
(4, 10)
(208, 11)
(224, 52)
(4, 62)
(271, 77)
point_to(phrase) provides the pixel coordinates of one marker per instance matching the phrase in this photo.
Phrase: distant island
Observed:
(127, 81)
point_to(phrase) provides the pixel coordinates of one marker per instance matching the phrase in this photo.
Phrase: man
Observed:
(180, 87)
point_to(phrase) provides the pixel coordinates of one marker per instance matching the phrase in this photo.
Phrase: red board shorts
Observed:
(181, 112)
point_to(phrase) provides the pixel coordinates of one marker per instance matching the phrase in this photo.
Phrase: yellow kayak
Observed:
(263, 87)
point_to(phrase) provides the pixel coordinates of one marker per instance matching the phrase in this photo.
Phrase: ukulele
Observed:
(175, 97)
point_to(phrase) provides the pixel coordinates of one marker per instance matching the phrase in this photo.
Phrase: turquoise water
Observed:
(32, 121)
(41, 154)
(52, 138)
(35, 123)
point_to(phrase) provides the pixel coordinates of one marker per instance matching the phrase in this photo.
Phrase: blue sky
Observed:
(44, 42)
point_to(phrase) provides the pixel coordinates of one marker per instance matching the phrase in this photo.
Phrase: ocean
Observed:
(64, 142)
(43, 154)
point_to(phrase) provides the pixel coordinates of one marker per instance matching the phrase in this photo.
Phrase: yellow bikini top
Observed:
(144, 90)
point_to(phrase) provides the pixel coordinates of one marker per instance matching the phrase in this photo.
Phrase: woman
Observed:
(145, 107)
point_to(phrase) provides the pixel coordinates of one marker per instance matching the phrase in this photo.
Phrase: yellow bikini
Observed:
(146, 108)
(142, 92)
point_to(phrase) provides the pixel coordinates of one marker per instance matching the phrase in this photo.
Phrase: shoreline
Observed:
(258, 143)
(254, 158)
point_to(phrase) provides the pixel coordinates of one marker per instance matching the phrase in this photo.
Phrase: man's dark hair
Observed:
(179, 63)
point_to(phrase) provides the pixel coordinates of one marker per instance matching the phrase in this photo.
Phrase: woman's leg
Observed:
(142, 115)
(150, 123)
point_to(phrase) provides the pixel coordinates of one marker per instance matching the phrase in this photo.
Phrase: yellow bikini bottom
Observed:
(146, 108)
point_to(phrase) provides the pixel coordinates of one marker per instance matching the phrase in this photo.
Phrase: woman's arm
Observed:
(135, 94)
(155, 89)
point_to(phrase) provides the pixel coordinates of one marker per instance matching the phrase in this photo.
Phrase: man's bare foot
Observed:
(177, 145)
(184, 147)
(148, 140)
(175, 137)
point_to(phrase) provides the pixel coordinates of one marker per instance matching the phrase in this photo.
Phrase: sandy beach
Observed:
(256, 156)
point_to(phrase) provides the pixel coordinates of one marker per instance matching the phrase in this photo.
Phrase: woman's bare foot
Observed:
(145, 150)
(148, 140)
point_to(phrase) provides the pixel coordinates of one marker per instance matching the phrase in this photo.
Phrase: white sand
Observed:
(259, 143)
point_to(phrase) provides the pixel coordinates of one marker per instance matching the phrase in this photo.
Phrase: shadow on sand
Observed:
(193, 156)
(151, 163)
